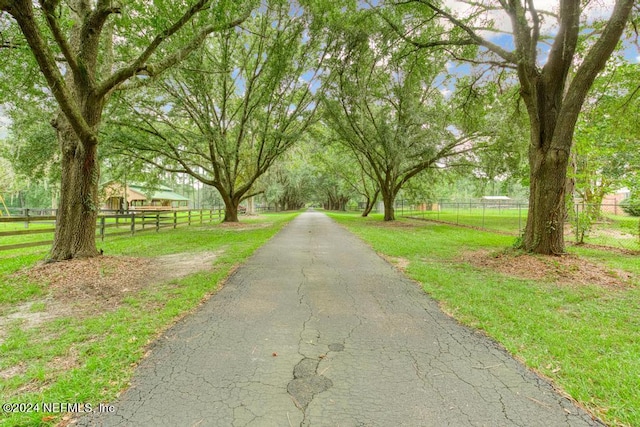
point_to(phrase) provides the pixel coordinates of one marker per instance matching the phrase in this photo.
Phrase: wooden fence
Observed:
(108, 224)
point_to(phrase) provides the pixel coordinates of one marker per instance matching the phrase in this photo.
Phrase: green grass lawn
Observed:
(504, 220)
(616, 231)
(585, 337)
(91, 359)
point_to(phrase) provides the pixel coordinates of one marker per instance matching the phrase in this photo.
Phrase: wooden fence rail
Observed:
(108, 224)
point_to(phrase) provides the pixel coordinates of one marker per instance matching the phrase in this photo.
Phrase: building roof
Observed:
(496, 198)
(157, 192)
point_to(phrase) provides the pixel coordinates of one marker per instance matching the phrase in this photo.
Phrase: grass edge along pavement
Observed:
(72, 360)
(585, 338)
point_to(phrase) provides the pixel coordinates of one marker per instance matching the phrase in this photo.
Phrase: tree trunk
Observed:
(544, 232)
(371, 202)
(230, 213)
(251, 210)
(78, 209)
(388, 199)
(230, 209)
(368, 208)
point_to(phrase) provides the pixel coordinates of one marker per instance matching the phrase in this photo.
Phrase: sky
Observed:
(597, 9)
(4, 123)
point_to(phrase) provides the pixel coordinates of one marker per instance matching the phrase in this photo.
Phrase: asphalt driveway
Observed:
(315, 329)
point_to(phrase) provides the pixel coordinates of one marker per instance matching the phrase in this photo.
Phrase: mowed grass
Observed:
(585, 338)
(90, 360)
(616, 231)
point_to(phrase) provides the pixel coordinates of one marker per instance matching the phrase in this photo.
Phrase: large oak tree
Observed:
(553, 86)
(86, 50)
(227, 114)
(385, 103)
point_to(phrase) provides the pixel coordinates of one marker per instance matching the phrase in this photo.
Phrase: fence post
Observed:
(157, 221)
(189, 217)
(26, 214)
(483, 213)
(201, 216)
(102, 221)
(175, 219)
(133, 223)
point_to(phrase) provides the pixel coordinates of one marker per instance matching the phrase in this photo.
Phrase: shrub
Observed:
(631, 205)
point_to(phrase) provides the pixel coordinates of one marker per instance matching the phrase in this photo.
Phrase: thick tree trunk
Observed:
(79, 203)
(230, 213)
(544, 232)
(230, 208)
(231, 203)
(388, 200)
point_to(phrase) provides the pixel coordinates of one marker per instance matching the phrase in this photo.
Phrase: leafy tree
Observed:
(607, 138)
(384, 103)
(86, 50)
(553, 87)
(226, 115)
(289, 183)
(347, 173)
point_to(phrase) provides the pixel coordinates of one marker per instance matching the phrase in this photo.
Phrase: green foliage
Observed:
(234, 108)
(582, 225)
(631, 206)
(607, 138)
(386, 104)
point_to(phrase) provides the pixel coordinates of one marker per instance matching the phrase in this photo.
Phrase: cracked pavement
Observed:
(315, 329)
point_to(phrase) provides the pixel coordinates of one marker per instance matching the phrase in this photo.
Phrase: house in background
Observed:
(137, 197)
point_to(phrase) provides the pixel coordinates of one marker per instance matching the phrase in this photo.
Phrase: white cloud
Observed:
(597, 9)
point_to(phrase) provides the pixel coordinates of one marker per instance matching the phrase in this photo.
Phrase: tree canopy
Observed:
(355, 100)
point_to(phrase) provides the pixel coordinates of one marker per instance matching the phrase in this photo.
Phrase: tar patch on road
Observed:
(306, 382)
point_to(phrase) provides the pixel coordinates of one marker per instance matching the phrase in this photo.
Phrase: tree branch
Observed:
(140, 66)
(480, 41)
(22, 11)
(48, 6)
(593, 63)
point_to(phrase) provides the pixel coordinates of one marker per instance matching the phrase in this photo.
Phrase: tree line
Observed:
(381, 96)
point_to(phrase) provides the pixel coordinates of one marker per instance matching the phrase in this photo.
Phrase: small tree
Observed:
(606, 154)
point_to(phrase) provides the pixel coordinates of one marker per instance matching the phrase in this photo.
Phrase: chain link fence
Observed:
(612, 228)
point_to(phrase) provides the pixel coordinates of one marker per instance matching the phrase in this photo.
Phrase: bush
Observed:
(631, 205)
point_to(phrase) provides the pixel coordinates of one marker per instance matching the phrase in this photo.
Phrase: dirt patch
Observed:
(568, 270)
(85, 287)
(12, 371)
(241, 226)
(398, 262)
(405, 223)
